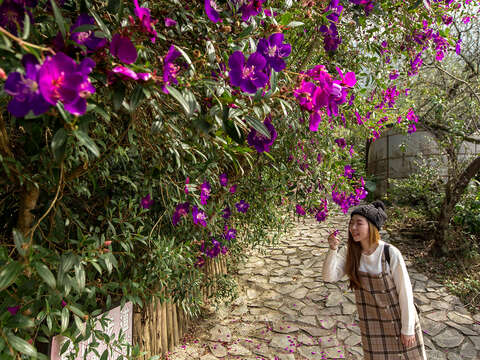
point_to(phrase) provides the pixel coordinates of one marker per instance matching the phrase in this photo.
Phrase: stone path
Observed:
(286, 312)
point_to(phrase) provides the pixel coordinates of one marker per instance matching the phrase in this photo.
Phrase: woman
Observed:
(389, 322)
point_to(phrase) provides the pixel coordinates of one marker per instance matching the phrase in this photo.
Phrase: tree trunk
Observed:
(453, 194)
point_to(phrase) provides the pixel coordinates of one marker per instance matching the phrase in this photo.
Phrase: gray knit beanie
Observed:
(374, 212)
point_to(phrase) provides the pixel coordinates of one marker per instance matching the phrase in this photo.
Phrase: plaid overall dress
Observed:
(380, 321)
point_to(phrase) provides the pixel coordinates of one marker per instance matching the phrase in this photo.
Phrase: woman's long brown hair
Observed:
(354, 253)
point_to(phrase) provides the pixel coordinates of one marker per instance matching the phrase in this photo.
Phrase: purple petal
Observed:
(276, 39)
(123, 48)
(256, 60)
(236, 60)
(260, 79)
(235, 77)
(77, 107)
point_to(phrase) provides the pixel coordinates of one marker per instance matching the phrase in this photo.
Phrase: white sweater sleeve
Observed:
(404, 290)
(334, 265)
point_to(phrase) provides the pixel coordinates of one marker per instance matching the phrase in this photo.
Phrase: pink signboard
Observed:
(120, 319)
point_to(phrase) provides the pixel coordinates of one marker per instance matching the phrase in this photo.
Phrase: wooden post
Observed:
(171, 339)
(137, 327)
(146, 331)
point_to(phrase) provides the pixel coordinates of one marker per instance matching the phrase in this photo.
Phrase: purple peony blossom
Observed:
(24, 90)
(87, 38)
(205, 189)
(146, 21)
(199, 217)
(274, 51)
(12, 15)
(13, 309)
(213, 10)
(242, 206)
(260, 141)
(230, 234)
(341, 143)
(146, 202)
(223, 179)
(331, 39)
(248, 76)
(226, 213)
(170, 22)
(300, 210)
(170, 70)
(60, 78)
(123, 48)
(250, 8)
(181, 211)
(348, 171)
(125, 73)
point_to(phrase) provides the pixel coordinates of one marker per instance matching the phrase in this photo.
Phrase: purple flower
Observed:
(321, 215)
(170, 70)
(411, 128)
(341, 143)
(87, 38)
(260, 141)
(274, 51)
(226, 213)
(24, 90)
(199, 217)
(412, 116)
(12, 15)
(393, 75)
(64, 303)
(331, 40)
(205, 189)
(351, 151)
(187, 181)
(319, 158)
(181, 210)
(146, 22)
(213, 9)
(123, 48)
(250, 8)
(146, 202)
(304, 94)
(61, 79)
(125, 73)
(300, 210)
(170, 22)
(335, 10)
(242, 206)
(348, 171)
(249, 76)
(223, 179)
(230, 234)
(458, 48)
(233, 188)
(13, 309)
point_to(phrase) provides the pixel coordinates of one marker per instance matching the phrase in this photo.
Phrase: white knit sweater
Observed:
(334, 270)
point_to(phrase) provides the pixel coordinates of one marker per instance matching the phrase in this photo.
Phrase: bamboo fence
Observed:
(159, 327)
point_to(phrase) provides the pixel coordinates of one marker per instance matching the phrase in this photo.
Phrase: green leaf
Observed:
(179, 97)
(118, 95)
(257, 125)
(295, 24)
(100, 23)
(65, 319)
(76, 311)
(9, 274)
(415, 5)
(84, 28)
(80, 277)
(59, 18)
(136, 97)
(85, 140)
(113, 6)
(19, 241)
(26, 27)
(21, 345)
(45, 273)
(65, 346)
(104, 355)
(58, 144)
(20, 321)
(184, 54)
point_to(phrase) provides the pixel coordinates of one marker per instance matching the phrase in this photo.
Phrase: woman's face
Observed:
(359, 228)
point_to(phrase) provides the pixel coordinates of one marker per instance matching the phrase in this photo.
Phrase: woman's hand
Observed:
(408, 340)
(333, 241)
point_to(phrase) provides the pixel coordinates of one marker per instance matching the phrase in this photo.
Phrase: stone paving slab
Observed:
(286, 312)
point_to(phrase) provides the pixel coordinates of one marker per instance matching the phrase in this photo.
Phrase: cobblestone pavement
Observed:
(285, 311)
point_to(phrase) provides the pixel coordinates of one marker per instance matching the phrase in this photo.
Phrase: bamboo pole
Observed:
(171, 339)
(176, 335)
(164, 338)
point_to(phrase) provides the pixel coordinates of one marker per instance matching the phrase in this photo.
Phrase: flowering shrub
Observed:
(138, 140)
